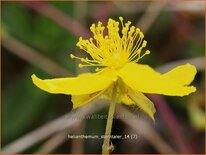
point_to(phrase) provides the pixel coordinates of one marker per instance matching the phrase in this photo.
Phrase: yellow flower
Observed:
(115, 57)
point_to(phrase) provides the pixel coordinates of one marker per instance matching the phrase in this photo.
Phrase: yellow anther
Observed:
(137, 30)
(132, 28)
(147, 52)
(121, 18)
(81, 66)
(144, 43)
(141, 35)
(110, 20)
(77, 44)
(112, 50)
(72, 56)
(80, 38)
(91, 39)
(117, 24)
(97, 69)
(92, 28)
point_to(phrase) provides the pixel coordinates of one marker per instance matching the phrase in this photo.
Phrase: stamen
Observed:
(83, 65)
(112, 50)
(140, 57)
(98, 69)
(72, 56)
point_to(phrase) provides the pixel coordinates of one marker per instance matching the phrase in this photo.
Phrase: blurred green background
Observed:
(37, 37)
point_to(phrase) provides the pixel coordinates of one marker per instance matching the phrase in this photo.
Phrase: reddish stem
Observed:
(62, 19)
(172, 123)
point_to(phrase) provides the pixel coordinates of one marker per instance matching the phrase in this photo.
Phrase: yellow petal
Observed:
(143, 102)
(183, 74)
(120, 96)
(126, 100)
(108, 72)
(81, 100)
(84, 84)
(144, 79)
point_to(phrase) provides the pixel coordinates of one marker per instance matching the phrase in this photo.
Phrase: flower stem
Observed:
(105, 146)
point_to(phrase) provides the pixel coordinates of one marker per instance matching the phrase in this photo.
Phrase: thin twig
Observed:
(197, 62)
(54, 142)
(65, 21)
(102, 11)
(141, 126)
(191, 6)
(80, 16)
(133, 7)
(128, 8)
(172, 123)
(77, 145)
(149, 17)
(33, 57)
(59, 124)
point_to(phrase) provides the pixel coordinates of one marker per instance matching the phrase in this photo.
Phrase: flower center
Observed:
(116, 60)
(115, 49)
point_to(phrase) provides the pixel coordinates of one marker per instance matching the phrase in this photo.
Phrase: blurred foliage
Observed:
(25, 107)
(196, 111)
